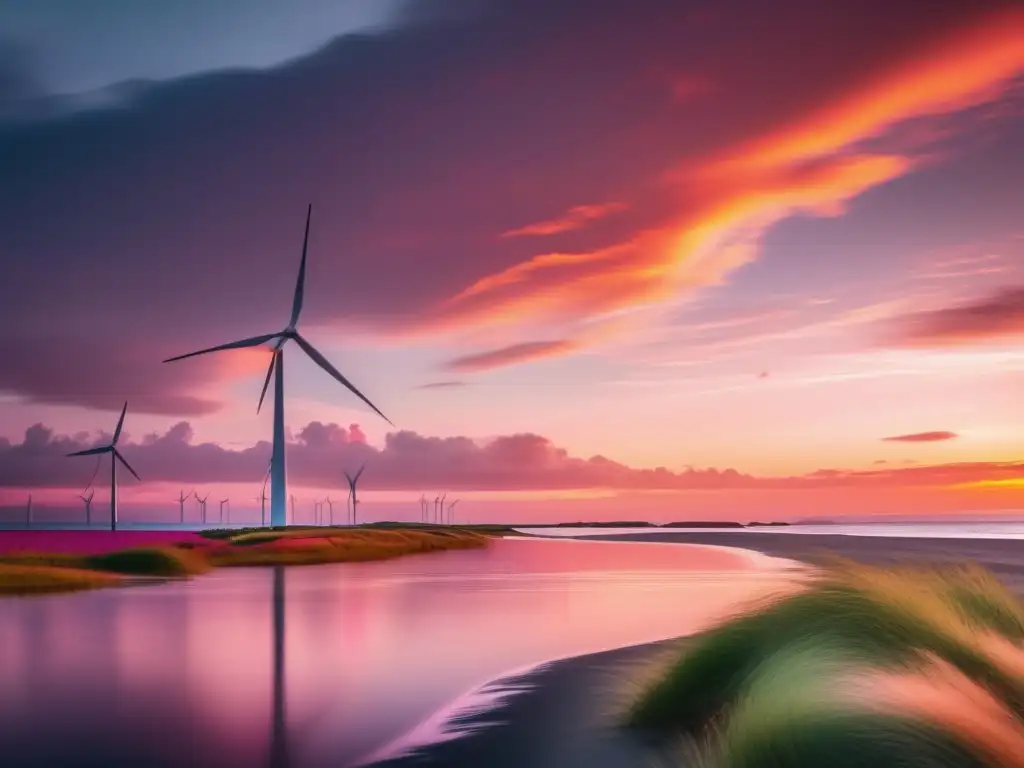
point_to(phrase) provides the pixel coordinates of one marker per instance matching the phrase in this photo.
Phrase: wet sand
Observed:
(565, 716)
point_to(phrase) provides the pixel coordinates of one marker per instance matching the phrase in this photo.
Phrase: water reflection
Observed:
(196, 673)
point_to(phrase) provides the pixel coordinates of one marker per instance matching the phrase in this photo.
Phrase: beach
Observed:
(564, 714)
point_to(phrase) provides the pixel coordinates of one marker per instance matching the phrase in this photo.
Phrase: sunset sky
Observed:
(660, 259)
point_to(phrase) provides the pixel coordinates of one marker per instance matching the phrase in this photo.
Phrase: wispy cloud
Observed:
(922, 437)
(442, 385)
(997, 316)
(575, 218)
(512, 355)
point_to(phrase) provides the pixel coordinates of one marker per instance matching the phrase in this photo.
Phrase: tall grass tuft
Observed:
(862, 666)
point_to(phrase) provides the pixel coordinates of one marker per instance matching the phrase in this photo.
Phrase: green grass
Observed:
(29, 573)
(943, 652)
(154, 561)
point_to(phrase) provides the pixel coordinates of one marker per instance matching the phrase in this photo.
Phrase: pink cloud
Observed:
(319, 453)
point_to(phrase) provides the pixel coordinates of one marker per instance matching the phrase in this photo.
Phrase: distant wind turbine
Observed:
(222, 503)
(87, 498)
(423, 508)
(115, 456)
(278, 492)
(316, 512)
(443, 497)
(451, 512)
(262, 498)
(352, 480)
(182, 498)
(28, 512)
(292, 499)
(330, 507)
(437, 500)
(201, 500)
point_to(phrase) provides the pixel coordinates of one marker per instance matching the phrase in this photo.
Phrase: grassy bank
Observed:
(33, 573)
(862, 667)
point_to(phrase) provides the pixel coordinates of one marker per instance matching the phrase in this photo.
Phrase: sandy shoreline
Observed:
(561, 716)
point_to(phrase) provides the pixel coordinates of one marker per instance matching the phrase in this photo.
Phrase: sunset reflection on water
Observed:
(181, 673)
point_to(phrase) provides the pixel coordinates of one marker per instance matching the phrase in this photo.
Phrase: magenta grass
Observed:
(92, 542)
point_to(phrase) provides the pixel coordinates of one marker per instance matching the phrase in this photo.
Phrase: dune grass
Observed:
(30, 573)
(333, 546)
(861, 666)
(40, 579)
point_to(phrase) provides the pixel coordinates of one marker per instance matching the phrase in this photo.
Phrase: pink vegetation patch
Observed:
(94, 542)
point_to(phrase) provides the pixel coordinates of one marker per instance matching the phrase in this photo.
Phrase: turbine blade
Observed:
(255, 341)
(127, 466)
(326, 365)
(120, 423)
(300, 284)
(266, 382)
(356, 478)
(92, 451)
(349, 478)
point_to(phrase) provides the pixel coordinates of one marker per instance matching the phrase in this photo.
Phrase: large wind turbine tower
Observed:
(278, 490)
(115, 456)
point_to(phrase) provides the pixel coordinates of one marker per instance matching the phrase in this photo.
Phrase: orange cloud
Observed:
(806, 167)
(512, 355)
(699, 249)
(921, 437)
(574, 218)
(951, 74)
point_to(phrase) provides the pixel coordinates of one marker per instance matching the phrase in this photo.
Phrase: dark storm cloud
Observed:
(174, 219)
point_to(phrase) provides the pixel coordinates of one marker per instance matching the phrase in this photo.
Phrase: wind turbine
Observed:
(451, 512)
(262, 498)
(437, 500)
(423, 508)
(316, 512)
(278, 492)
(292, 499)
(352, 480)
(115, 456)
(443, 497)
(330, 507)
(222, 503)
(28, 512)
(87, 498)
(182, 498)
(201, 500)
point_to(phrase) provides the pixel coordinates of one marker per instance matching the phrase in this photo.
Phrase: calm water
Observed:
(977, 530)
(182, 674)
